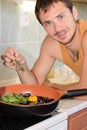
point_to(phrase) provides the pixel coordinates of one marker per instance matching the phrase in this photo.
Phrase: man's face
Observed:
(59, 22)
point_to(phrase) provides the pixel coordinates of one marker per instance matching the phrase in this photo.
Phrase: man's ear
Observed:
(75, 12)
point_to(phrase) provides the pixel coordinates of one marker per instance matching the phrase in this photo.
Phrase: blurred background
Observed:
(20, 29)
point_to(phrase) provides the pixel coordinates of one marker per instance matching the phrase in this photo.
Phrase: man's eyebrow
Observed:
(60, 14)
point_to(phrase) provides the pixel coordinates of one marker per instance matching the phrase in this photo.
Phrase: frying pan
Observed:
(26, 111)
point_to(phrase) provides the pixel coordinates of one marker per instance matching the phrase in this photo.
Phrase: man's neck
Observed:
(75, 44)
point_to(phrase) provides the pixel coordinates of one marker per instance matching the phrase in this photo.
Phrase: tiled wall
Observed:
(27, 40)
(0, 21)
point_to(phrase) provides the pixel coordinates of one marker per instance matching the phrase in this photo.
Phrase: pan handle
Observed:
(74, 93)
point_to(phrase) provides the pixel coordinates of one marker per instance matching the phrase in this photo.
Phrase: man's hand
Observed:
(14, 60)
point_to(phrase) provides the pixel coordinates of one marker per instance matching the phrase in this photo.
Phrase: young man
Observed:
(66, 42)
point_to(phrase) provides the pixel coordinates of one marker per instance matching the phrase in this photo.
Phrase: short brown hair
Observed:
(45, 4)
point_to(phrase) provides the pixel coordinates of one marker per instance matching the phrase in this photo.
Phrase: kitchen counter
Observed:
(66, 107)
(72, 105)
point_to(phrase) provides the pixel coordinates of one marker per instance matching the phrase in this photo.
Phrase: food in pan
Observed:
(25, 99)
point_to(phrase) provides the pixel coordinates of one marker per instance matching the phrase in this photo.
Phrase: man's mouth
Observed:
(61, 35)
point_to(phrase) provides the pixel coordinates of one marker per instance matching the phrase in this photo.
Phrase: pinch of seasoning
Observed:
(15, 63)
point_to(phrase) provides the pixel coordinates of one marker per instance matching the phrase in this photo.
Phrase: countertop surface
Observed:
(72, 105)
(66, 107)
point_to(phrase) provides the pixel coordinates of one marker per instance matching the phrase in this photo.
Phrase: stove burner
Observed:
(8, 123)
(2, 125)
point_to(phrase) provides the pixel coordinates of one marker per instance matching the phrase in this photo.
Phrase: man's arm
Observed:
(39, 71)
(14, 60)
(83, 78)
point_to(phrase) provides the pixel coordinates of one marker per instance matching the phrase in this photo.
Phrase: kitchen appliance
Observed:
(43, 109)
(25, 111)
(11, 123)
(8, 123)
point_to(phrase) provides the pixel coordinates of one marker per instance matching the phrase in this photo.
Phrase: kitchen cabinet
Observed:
(83, 1)
(78, 120)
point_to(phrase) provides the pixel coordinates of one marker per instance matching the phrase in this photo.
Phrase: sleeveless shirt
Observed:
(75, 66)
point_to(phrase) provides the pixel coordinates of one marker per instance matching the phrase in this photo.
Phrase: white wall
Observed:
(0, 21)
(27, 40)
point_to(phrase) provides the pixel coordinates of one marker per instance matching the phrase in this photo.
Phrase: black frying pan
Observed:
(26, 111)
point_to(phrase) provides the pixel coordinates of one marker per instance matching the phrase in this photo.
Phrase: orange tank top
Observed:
(75, 66)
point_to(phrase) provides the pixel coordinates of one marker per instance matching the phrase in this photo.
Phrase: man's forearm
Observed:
(27, 77)
(71, 86)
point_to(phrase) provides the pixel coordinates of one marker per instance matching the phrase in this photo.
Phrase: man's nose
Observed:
(57, 26)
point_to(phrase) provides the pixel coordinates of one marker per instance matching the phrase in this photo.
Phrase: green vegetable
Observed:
(15, 99)
(24, 99)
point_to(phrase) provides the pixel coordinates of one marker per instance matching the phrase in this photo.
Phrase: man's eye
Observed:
(47, 24)
(60, 17)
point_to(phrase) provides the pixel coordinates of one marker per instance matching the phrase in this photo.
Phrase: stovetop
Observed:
(18, 124)
(8, 123)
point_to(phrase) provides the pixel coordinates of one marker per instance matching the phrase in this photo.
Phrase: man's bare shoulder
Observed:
(48, 39)
(50, 42)
(52, 47)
